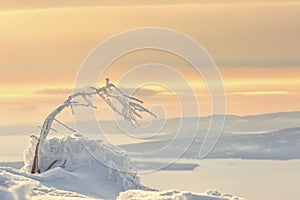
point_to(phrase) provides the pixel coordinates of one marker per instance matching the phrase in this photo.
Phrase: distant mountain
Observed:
(282, 145)
(233, 124)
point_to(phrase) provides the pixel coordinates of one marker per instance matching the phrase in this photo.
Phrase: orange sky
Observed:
(255, 44)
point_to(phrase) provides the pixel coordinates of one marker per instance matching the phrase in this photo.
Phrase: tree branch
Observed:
(130, 109)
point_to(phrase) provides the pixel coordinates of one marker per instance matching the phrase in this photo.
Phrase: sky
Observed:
(255, 45)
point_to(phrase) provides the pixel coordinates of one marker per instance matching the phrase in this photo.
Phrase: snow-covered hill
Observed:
(82, 169)
(279, 145)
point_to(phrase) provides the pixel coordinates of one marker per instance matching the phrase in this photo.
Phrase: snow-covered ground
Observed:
(174, 194)
(16, 185)
(84, 169)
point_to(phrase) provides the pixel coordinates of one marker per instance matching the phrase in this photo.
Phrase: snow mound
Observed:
(83, 165)
(15, 185)
(76, 151)
(175, 195)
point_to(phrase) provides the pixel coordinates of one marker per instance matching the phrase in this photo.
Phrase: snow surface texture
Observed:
(76, 151)
(102, 176)
(174, 194)
(16, 185)
(78, 174)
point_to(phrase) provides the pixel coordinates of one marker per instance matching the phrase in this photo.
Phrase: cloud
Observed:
(140, 92)
(30, 4)
(257, 93)
(25, 108)
(54, 91)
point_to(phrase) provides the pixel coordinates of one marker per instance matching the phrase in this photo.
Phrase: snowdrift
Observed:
(81, 168)
(16, 185)
(98, 169)
(174, 194)
(75, 151)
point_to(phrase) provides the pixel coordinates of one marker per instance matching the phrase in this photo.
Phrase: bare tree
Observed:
(130, 109)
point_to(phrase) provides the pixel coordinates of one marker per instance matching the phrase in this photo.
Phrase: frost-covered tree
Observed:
(130, 109)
